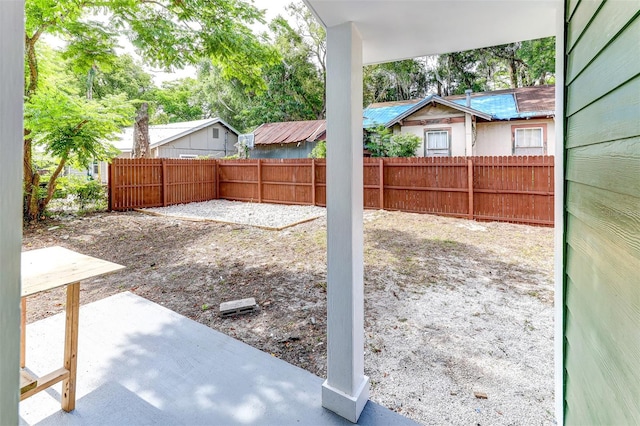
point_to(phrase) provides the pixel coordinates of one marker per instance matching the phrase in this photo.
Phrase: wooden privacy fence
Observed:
(508, 189)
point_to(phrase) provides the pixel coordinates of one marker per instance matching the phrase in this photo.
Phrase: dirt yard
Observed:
(452, 307)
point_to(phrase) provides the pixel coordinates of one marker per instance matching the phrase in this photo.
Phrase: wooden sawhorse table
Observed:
(46, 269)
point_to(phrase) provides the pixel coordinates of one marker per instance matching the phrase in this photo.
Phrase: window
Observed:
(529, 140)
(188, 156)
(216, 133)
(436, 143)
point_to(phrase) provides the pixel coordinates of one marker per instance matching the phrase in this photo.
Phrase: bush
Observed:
(85, 194)
(403, 145)
(319, 151)
(382, 143)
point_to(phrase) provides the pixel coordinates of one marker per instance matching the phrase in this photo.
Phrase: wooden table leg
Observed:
(71, 346)
(23, 331)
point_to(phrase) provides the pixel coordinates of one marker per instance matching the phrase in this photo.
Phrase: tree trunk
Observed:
(141, 133)
(513, 73)
(31, 183)
(90, 78)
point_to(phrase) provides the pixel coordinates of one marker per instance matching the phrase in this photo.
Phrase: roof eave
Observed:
(193, 130)
(441, 101)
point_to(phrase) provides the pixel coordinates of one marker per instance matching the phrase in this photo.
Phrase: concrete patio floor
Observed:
(140, 363)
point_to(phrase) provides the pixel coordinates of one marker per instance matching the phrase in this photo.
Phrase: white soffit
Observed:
(394, 30)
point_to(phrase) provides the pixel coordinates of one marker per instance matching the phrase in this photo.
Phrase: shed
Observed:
(289, 139)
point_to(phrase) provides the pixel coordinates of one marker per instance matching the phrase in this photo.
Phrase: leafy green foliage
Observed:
(69, 126)
(85, 194)
(124, 75)
(294, 84)
(381, 142)
(176, 101)
(395, 81)
(319, 151)
(167, 33)
(403, 145)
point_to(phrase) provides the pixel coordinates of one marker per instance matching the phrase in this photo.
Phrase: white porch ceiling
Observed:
(400, 29)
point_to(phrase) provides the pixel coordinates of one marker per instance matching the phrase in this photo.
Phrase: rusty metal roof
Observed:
(290, 132)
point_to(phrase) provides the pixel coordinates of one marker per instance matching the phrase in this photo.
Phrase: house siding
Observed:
(492, 138)
(291, 150)
(496, 138)
(602, 209)
(200, 143)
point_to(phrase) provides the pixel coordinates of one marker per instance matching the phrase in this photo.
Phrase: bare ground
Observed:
(452, 307)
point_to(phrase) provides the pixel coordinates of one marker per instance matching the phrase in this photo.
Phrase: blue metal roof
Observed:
(502, 107)
(381, 115)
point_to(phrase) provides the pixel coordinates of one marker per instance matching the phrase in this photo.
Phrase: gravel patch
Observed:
(261, 215)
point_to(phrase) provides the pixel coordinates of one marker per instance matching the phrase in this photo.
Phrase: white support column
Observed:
(11, 93)
(558, 213)
(346, 390)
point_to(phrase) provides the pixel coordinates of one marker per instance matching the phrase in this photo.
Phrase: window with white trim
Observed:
(215, 133)
(188, 156)
(528, 141)
(437, 143)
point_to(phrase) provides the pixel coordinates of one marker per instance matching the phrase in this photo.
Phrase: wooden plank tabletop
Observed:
(51, 267)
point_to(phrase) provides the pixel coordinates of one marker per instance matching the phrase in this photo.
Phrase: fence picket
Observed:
(512, 189)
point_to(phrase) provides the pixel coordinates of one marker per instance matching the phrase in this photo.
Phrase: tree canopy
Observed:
(165, 33)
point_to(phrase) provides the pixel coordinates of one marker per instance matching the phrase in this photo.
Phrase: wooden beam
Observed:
(71, 347)
(45, 382)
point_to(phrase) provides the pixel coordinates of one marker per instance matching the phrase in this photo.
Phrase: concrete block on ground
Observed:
(238, 307)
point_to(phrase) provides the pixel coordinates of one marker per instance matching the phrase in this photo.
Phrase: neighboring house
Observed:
(212, 137)
(504, 122)
(290, 139)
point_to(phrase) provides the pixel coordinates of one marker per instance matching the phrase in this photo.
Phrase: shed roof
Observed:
(290, 132)
(160, 134)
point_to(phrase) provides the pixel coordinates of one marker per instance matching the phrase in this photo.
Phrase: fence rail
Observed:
(508, 189)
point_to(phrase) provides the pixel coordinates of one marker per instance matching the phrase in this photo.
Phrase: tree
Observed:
(395, 81)
(177, 101)
(71, 128)
(166, 33)
(293, 85)
(122, 75)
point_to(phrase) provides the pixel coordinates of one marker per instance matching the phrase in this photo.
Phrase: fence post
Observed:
(313, 181)
(215, 179)
(164, 182)
(381, 178)
(110, 185)
(218, 180)
(470, 186)
(259, 180)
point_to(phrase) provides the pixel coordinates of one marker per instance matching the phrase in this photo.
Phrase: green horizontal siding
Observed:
(613, 117)
(611, 18)
(602, 203)
(613, 166)
(619, 63)
(580, 19)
